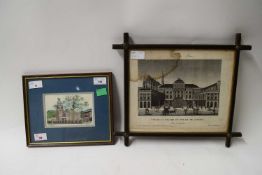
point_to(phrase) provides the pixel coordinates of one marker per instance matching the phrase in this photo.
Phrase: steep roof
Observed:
(179, 81)
(191, 86)
(166, 86)
(148, 77)
(214, 84)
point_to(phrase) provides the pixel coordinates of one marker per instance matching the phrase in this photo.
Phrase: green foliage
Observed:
(75, 103)
(51, 114)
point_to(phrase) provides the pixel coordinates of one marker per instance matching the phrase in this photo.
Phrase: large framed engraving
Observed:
(68, 109)
(179, 89)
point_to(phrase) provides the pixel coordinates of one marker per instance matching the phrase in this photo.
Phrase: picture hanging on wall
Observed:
(68, 109)
(180, 90)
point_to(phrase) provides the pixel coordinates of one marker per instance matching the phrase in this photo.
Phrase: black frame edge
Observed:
(233, 92)
(182, 46)
(127, 46)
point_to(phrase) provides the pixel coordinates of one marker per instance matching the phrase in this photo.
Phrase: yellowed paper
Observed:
(210, 114)
(69, 109)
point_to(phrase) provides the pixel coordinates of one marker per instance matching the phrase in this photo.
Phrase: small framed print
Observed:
(179, 90)
(68, 109)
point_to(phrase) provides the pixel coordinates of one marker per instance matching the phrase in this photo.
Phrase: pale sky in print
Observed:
(199, 72)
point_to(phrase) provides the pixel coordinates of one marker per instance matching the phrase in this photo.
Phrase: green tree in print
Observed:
(75, 103)
(72, 107)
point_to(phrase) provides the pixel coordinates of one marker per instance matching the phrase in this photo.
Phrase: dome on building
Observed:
(179, 81)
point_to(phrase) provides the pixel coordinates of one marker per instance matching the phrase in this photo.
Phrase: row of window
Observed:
(169, 92)
(212, 96)
(212, 88)
(148, 97)
(145, 104)
(144, 97)
(188, 96)
(188, 92)
(211, 104)
(169, 97)
(209, 96)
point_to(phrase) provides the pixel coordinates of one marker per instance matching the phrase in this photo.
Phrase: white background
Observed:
(63, 36)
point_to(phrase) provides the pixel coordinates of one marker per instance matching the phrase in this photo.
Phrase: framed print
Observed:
(68, 109)
(180, 89)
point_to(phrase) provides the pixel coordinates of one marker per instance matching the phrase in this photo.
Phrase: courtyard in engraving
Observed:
(179, 87)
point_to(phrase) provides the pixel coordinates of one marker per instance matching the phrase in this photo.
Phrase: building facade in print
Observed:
(177, 95)
(149, 96)
(167, 90)
(63, 115)
(211, 95)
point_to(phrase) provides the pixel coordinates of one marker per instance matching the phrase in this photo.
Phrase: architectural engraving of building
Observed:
(73, 115)
(178, 95)
(149, 95)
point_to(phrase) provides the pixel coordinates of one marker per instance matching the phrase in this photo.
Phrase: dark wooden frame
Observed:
(25, 80)
(129, 45)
